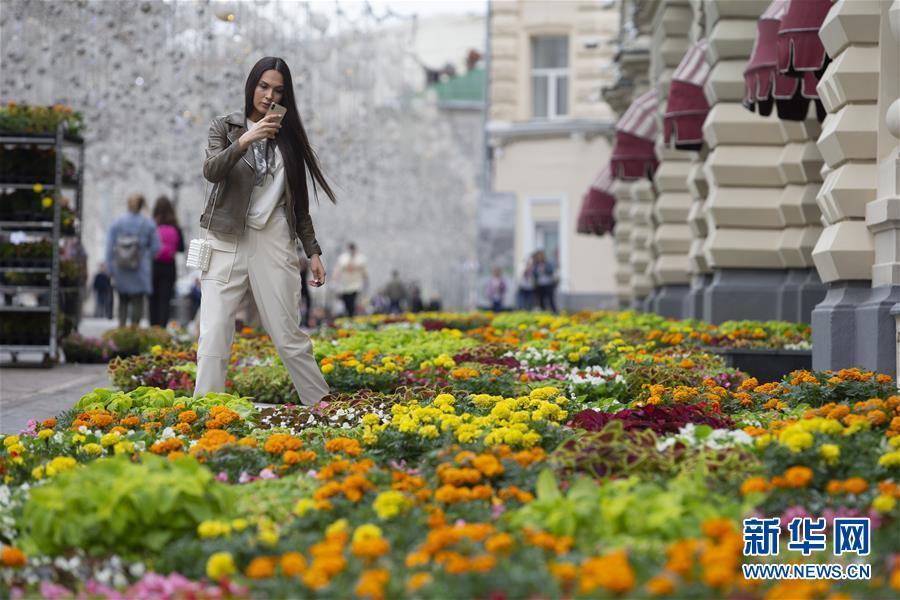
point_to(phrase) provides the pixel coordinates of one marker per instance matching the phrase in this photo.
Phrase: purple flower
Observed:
(497, 510)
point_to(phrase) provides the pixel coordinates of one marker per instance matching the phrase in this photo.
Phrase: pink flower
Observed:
(267, 474)
(791, 513)
(497, 510)
(222, 476)
(52, 591)
(245, 478)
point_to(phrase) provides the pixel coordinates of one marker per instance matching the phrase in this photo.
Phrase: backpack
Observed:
(127, 252)
(169, 239)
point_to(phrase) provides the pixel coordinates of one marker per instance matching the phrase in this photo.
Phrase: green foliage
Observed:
(625, 512)
(134, 340)
(155, 398)
(115, 506)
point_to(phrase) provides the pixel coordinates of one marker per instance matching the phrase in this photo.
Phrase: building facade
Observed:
(790, 203)
(548, 132)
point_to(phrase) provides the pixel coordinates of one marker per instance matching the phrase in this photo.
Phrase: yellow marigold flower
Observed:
(327, 368)
(156, 350)
(213, 529)
(239, 524)
(891, 459)
(389, 504)
(219, 565)
(37, 188)
(43, 434)
(92, 449)
(884, 503)
(428, 432)
(110, 439)
(338, 526)
(38, 472)
(303, 506)
(60, 464)
(830, 453)
(10, 440)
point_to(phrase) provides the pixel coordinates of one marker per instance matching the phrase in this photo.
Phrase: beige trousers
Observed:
(266, 261)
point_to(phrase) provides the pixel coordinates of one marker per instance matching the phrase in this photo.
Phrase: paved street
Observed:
(30, 392)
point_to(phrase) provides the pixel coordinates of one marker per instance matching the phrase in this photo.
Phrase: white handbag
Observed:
(200, 249)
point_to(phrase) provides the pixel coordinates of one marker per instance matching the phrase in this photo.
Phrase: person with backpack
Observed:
(171, 241)
(131, 244)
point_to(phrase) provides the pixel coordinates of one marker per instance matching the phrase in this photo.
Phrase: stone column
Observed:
(642, 197)
(742, 171)
(622, 238)
(671, 236)
(701, 273)
(844, 253)
(876, 333)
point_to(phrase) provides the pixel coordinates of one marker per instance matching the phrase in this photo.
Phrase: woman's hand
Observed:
(318, 271)
(265, 128)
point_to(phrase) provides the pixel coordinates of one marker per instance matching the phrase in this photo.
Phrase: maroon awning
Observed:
(800, 50)
(634, 155)
(686, 108)
(792, 45)
(596, 215)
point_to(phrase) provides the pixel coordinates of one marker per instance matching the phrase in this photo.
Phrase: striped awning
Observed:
(596, 215)
(784, 43)
(686, 108)
(633, 155)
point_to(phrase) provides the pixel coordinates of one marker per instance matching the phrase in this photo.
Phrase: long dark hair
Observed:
(291, 139)
(163, 213)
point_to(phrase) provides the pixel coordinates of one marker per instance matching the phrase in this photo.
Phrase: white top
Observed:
(351, 272)
(264, 200)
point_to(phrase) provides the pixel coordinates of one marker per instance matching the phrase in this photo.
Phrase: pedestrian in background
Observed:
(352, 277)
(525, 293)
(171, 242)
(395, 291)
(103, 293)
(496, 290)
(131, 244)
(545, 281)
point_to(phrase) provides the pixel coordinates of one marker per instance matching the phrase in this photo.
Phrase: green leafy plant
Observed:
(116, 506)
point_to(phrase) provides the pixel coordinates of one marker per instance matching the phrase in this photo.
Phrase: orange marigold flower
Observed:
(483, 563)
(131, 421)
(798, 476)
(261, 567)
(418, 580)
(566, 572)
(717, 528)
(342, 444)
(877, 417)
(293, 564)
(371, 583)
(10, 556)
(188, 416)
(48, 423)
(101, 420)
(370, 548)
(754, 484)
(834, 487)
(660, 586)
(247, 441)
(280, 442)
(855, 485)
(500, 543)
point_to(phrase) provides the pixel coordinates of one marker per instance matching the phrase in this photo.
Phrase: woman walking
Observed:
(258, 208)
(171, 241)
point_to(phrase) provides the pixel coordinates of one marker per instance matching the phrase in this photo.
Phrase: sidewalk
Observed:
(30, 392)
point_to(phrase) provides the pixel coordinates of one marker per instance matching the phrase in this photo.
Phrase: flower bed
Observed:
(526, 456)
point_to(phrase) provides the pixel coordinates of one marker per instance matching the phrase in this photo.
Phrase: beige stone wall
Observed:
(549, 177)
(590, 26)
(622, 240)
(848, 142)
(642, 252)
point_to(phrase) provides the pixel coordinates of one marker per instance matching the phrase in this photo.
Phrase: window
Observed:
(546, 238)
(550, 76)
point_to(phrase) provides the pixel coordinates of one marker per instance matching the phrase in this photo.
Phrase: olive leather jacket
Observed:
(233, 174)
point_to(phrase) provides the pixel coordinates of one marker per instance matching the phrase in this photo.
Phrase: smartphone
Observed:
(278, 110)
